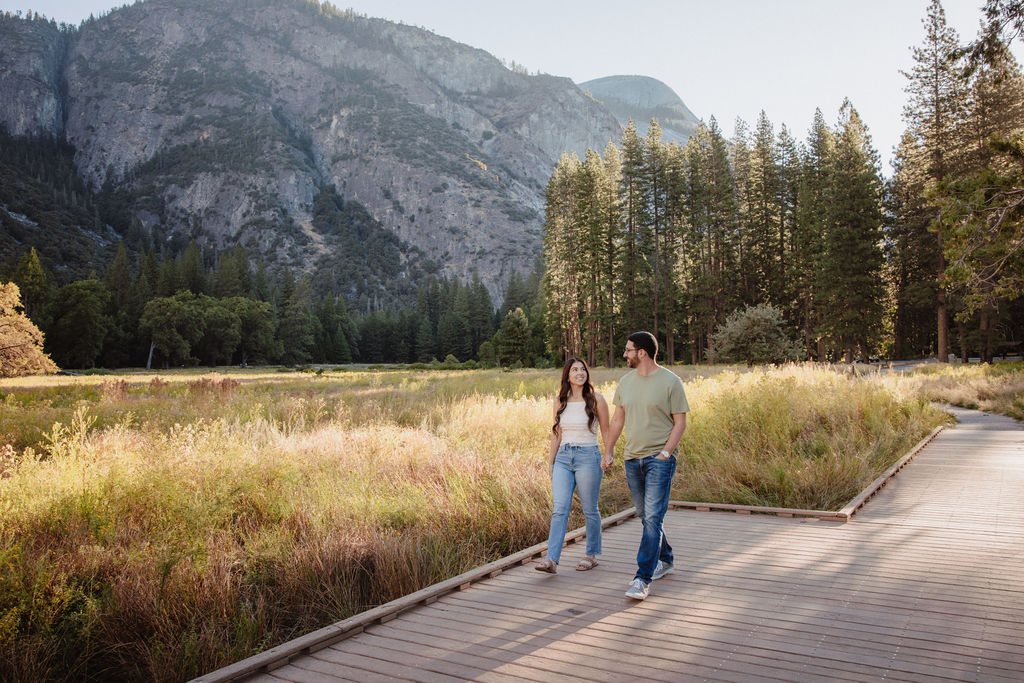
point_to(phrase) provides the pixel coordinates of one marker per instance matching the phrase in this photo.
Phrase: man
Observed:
(650, 403)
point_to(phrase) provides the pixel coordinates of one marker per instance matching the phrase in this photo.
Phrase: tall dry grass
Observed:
(797, 437)
(160, 527)
(997, 388)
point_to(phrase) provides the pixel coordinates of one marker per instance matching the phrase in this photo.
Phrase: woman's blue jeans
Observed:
(650, 483)
(576, 468)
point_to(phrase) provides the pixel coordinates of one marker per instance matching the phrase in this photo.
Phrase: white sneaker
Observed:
(661, 569)
(637, 589)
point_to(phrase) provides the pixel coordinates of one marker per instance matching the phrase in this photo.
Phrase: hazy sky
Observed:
(725, 59)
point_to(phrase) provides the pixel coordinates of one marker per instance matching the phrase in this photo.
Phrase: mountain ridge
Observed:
(223, 123)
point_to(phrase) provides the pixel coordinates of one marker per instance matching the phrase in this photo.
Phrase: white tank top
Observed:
(574, 425)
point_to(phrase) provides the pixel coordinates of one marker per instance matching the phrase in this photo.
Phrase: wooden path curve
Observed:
(923, 584)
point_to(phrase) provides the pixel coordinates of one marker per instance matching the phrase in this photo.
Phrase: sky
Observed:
(724, 58)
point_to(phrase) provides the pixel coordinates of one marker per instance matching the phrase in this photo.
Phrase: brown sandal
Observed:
(587, 563)
(546, 565)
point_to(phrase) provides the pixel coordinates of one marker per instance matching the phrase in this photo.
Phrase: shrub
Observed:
(754, 335)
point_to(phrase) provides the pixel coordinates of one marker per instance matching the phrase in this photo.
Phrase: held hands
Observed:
(608, 456)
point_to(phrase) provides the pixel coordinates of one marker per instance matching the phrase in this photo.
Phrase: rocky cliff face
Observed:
(31, 61)
(223, 121)
(641, 99)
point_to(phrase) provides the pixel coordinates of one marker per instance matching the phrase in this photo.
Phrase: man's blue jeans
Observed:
(650, 483)
(576, 468)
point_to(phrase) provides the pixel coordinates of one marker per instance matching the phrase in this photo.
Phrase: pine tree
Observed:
(479, 312)
(673, 251)
(515, 295)
(789, 170)
(33, 284)
(808, 240)
(425, 341)
(591, 193)
(611, 249)
(710, 267)
(912, 256)
(654, 225)
(192, 272)
(850, 282)
(168, 280)
(762, 225)
(119, 279)
(148, 277)
(232, 277)
(635, 271)
(741, 163)
(561, 279)
(515, 338)
(298, 326)
(982, 223)
(937, 92)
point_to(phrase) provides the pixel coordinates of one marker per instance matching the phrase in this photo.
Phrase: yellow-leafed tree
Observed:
(21, 342)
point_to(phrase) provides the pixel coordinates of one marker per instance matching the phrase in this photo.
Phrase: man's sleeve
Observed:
(677, 398)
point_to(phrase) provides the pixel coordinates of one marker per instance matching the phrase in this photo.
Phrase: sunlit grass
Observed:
(997, 388)
(163, 525)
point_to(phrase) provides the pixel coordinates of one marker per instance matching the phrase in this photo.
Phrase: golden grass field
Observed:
(161, 525)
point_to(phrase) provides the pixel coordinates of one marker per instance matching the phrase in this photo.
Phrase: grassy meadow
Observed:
(158, 526)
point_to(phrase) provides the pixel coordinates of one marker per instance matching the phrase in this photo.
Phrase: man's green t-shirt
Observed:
(649, 403)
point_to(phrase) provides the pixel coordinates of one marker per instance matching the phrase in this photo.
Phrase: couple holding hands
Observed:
(650, 403)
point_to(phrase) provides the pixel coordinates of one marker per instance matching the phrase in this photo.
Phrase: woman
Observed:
(575, 462)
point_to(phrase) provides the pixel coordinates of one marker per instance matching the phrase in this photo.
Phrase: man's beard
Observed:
(631, 362)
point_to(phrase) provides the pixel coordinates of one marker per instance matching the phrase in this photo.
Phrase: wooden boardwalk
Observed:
(926, 582)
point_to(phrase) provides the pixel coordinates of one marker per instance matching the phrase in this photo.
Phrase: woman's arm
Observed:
(556, 437)
(603, 422)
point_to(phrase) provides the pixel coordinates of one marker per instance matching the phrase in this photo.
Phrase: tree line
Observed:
(162, 312)
(675, 238)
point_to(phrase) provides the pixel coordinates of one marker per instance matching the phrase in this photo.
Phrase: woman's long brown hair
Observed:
(589, 402)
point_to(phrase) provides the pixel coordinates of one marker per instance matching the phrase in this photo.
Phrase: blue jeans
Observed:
(650, 483)
(576, 467)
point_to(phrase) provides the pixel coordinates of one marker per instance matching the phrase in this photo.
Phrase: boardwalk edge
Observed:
(842, 515)
(884, 478)
(281, 655)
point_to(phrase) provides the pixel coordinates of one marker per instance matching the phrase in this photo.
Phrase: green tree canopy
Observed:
(173, 324)
(79, 323)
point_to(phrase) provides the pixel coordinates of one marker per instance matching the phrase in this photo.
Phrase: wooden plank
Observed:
(802, 608)
(573, 639)
(796, 633)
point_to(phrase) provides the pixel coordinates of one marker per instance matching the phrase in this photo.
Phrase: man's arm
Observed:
(678, 427)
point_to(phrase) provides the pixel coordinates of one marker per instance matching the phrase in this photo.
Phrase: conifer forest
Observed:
(675, 238)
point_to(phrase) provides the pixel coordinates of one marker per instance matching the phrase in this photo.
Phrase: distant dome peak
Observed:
(642, 98)
(642, 91)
